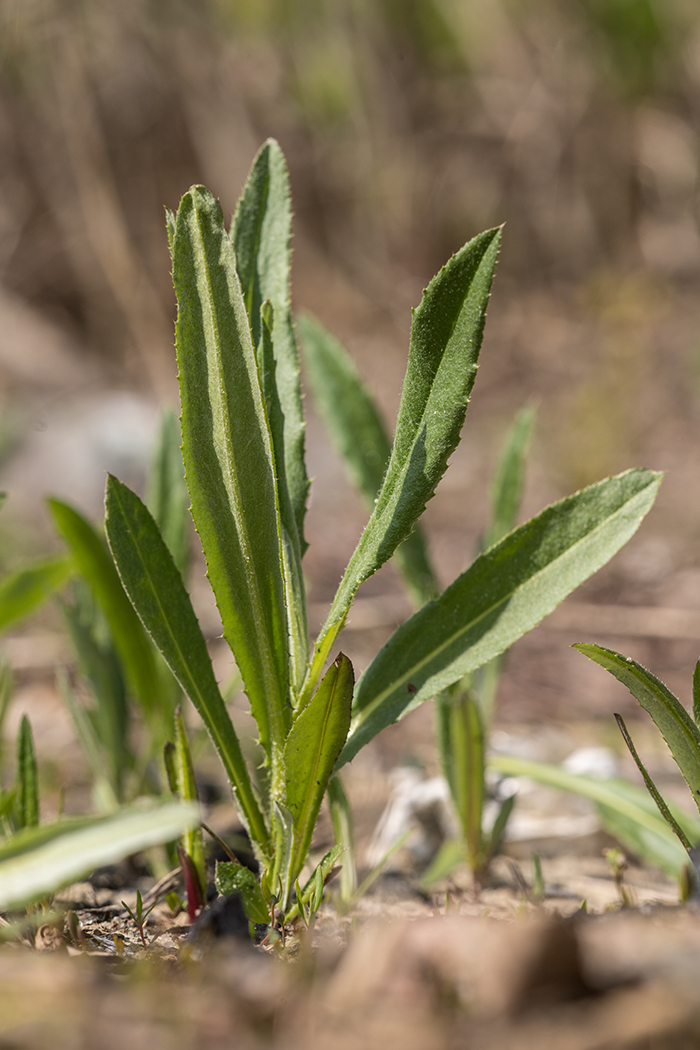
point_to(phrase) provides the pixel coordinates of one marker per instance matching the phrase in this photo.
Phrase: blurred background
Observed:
(408, 126)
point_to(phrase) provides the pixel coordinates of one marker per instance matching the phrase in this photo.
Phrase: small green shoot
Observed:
(140, 916)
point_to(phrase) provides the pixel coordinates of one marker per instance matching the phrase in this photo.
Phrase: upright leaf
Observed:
(99, 664)
(155, 587)
(93, 561)
(670, 717)
(228, 459)
(186, 786)
(22, 591)
(446, 338)
(313, 745)
(356, 429)
(27, 790)
(507, 487)
(501, 596)
(168, 498)
(291, 555)
(261, 232)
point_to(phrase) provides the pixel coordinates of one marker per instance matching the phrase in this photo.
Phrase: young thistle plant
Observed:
(243, 448)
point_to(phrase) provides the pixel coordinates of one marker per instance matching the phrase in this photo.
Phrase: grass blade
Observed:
(651, 786)
(501, 596)
(314, 743)
(696, 693)
(22, 591)
(627, 810)
(509, 480)
(445, 341)
(167, 498)
(37, 862)
(228, 459)
(360, 438)
(158, 593)
(261, 232)
(27, 789)
(670, 717)
(94, 563)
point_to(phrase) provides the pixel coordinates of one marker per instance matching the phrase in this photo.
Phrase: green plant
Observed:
(464, 710)
(243, 448)
(140, 916)
(116, 660)
(677, 727)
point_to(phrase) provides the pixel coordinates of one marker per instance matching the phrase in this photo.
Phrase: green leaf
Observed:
(27, 790)
(228, 459)
(234, 878)
(670, 717)
(445, 342)
(37, 862)
(447, 859)
(104, 789)
(627, 811)
(651, 787)
(313, 745)
(168, 499)
(261, 232)
(509, 480)
(192, 842)
(501, 596)
(466, 739)
(155, 587)
(294, 584)
(344, 834)
(22, 591)
(696, 693)
(94, 563)
(99, 664)
(359, 436)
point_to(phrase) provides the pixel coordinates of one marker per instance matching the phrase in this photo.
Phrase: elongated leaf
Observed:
(670, 717)
(628, 811)
(104, 789)
(22, 591)
(447, 859)
(467, 767)
(192, 842)
(696, 693)
(344, 833)
(39, 861)
(356, 429)
(168, 499)
(445, 342)
(508, 483)
(652, 788)
(228, 459)
(155, 587)
(27, 790)
(93, 561)
(261, 232)
(294, 585)
(314, 743)
(99, 664)
(501, 596)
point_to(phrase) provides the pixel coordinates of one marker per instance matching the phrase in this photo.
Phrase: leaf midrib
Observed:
(365, 712)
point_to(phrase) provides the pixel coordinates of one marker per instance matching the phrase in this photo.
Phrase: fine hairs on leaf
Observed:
(242, 430)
